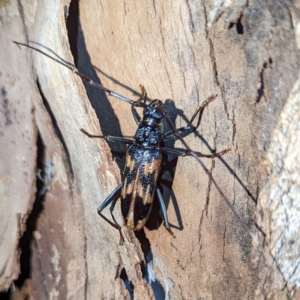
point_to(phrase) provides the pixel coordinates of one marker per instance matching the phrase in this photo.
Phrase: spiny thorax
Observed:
(149, 133)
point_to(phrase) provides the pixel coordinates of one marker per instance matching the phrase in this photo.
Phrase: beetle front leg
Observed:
(142, 99)
(112, 198)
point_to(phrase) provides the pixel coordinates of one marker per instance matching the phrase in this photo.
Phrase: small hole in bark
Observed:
(270, 60)
(128, 284)
(239, 26)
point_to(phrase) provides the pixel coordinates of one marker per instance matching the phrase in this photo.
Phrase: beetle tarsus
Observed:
(121, 242)
(171, 233)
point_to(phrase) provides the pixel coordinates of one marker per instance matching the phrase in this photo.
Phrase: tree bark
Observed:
(246, 52)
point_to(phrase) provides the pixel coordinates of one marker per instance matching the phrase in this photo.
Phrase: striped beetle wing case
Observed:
(140, 178)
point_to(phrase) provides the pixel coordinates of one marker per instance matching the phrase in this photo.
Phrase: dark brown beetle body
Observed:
(143, 160)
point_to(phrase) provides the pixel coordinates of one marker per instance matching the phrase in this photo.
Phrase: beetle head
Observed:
(154, 109)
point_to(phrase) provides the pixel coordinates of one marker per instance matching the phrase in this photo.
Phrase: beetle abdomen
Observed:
(140, 177)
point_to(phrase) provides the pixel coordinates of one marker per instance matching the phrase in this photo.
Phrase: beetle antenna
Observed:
(85, 78)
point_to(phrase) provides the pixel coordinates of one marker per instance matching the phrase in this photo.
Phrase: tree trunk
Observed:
(246, 52)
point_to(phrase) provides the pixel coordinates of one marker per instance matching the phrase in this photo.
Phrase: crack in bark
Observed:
(31, 225)
(200, 227)
(211, 49)
(190, 15)
(232, 120)
(209, 189)
(224, 241)
(213, 58)
(260, 91)
(56, 128)
(40, 270)
(21, 11)
(289, 14)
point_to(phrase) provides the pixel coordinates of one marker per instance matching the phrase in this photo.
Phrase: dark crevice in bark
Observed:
(260, 91)
(146, 266)
(128, 284)
(213, 59)
(6, 295)
(27, 240)
(72, 25)
(145, 245)
(238, 26)
(19, 288)
(55, 126)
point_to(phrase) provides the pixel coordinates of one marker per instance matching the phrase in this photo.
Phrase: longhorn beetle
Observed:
(144, 157)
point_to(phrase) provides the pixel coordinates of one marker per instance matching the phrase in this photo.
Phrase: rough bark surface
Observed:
(182, 52)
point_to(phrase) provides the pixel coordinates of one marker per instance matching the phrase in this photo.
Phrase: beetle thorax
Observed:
(149, 132)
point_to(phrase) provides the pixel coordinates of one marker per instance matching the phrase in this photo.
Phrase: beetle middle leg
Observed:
(185, 152)
(117, 191)
(109, 138)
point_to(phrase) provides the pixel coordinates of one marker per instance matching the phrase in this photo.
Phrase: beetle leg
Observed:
(164, 211)
(109, 138)
(143, 99)
(185, 152)
(136, 116)
(112, 198)
(199, 110)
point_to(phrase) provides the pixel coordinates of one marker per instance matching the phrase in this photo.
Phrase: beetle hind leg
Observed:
(112, 198)
(164, 212)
